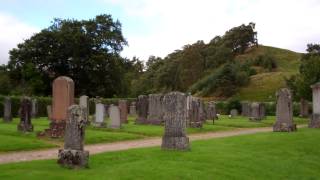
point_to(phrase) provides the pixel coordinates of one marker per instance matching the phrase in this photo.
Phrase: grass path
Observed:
(124, 145)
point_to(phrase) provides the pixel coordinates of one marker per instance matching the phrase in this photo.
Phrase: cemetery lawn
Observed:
(12, 140)
(257, 156)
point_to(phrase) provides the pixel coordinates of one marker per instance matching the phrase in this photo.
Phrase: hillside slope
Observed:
(262, 86)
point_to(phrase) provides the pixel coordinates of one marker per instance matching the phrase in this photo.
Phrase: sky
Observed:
(158, 27)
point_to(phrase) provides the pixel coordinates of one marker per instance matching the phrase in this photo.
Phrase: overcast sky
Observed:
(158, 27)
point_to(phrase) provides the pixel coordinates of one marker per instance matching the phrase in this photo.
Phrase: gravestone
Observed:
(25, 115)
(99, 116)
(115, 121)
(49, 111)
(73, 154)
(256, 111)
(195, 116)
(315, 118)
(34, 111)
(155, 113)
(245, 109)
(84, 102)
(284, 121)
(123, 111)
(263, 110)
(211, 111)
(304, 108)
(132, 109)
(7, 117)
(175, 106)
(234, 112)
(142, 109)
(62, 99)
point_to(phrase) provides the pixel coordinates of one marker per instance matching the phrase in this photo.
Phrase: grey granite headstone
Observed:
(196, 114)
(142, 109)
(34, 111)
(175, 106)
(99, 116)
(25, 115)
(84, 102)
(304, 108)
(234, 112)
(7, 117)
(115, 121)
(211, 111)
(73, 154)
(315, 118)
(155, 114)
(123, 106)
(284, 113)
(49, 112)
(132, 109)
(257, 111)
(245, 109)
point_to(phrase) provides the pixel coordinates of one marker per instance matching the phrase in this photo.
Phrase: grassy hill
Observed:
(262, 86)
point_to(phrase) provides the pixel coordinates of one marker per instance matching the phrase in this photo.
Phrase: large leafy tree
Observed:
(86, 50)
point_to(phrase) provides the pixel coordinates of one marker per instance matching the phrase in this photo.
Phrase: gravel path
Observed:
(123, 145)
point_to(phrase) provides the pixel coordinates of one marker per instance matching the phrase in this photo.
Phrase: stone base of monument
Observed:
(284, 127)
(56, 130)
(25, 127)
(73, 158)
(175, 143)
(99, 125)
(141, 120)
(315, 121)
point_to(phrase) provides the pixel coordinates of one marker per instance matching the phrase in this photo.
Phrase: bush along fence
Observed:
(44, 101)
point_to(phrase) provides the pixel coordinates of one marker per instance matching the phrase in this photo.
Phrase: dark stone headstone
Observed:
(142, 109)
(174, 137)
(284, 113)
(123, 106)
(155, 109)
(304, 108)
(196, 116)
(7, 117)
(132, 109)
(257, 111)
(245, 109)
(34, 111)
(25, 115)
(73, 154)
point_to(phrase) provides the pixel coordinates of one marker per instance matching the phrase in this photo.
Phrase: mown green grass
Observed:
(12, 140)
(259, 156)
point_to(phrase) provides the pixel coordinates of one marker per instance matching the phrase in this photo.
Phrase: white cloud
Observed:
(12, 32)
(287, 24)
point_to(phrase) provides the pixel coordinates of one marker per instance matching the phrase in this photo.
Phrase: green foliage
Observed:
(266, 61)
(87, 51)
(233, 104)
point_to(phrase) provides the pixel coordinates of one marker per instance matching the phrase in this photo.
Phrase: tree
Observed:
(86, 50)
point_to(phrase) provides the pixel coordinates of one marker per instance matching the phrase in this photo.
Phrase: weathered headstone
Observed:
(99, 116)
(304, 108)
(49, 111)
(195, 116)
(142, 109)
(123, 111)
(155, 113)
(34, 111)
(211, 111)
(73, 154)
(245, 109)
(62, 99)
(84, 102)
(234, 112)
(284, 113)
(175, 106)
(7, 117)
(132, 109)
(115, 121)
(25, 115)
(256, 111)
(315, 118)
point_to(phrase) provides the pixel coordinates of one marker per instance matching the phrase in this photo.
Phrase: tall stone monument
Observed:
(245, 109)
(73, 154)
(195, 114)
(284, 113)
(115, 121)
(175, 106)
(84, 102)
(155, 114)
(315, 118)
(7, 117)
(62, 99)
(123, 111)
(142, 109)
(99, 116)
(34, 111)
(25, 115)
(257, 111)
